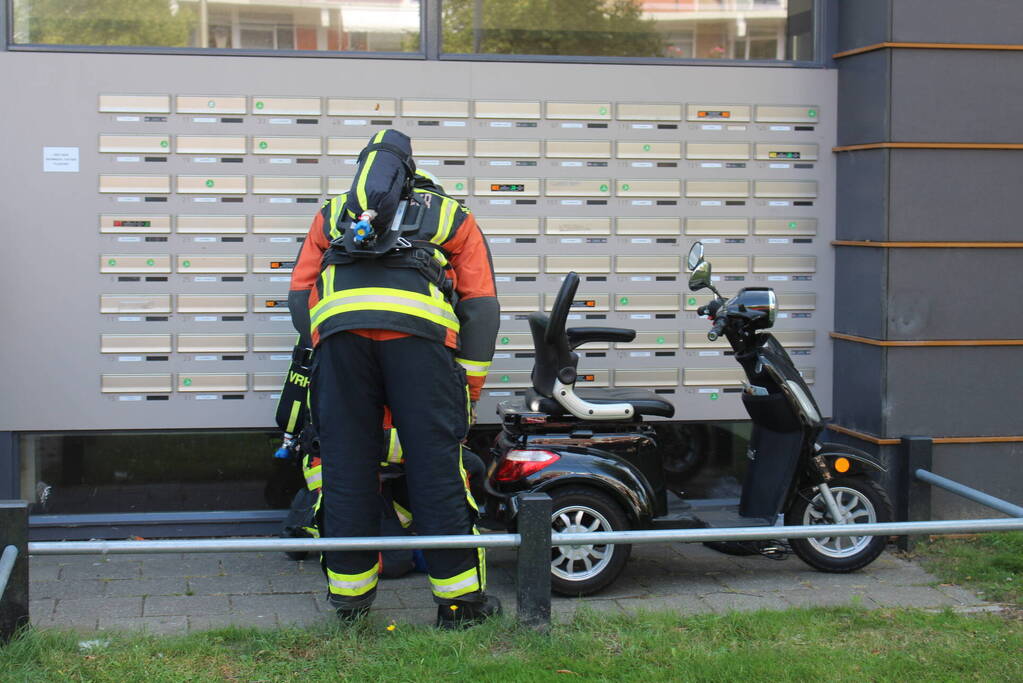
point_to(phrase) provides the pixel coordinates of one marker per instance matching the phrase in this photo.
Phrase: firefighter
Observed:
(394, 286)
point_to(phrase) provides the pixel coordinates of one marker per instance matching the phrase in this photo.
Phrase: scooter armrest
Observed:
(577, 336)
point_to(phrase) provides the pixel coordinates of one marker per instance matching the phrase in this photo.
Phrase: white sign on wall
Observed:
(60, 160)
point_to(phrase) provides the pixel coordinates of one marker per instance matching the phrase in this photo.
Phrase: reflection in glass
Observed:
(334, 25)
(154, 472)
(683, 29)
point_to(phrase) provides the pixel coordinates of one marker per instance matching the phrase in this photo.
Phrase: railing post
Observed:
(533, 577)
(14, 601)
(915, 505)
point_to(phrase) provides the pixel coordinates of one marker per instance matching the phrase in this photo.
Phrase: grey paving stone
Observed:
(92, 608)
(960, 595)
(910, 596)
(298, 583)
(906, 574)
(130, 587)
(420, 616)
(303, 619)
(86, 588)
(155, 625)
(419, 598)
(198, 605)
(744, 602)
(818, 598)
(747, 581)
(41, 609)
(566, 609)
(88, 567)
(210, 622)
(853, 581)
(263, 605)
(196, 564)
(683, 604)
(81, 622)
(256, 564)
(231, 584)
(43, 569)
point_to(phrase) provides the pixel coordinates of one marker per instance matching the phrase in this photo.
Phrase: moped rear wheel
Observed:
(585, 569)
(863, 501)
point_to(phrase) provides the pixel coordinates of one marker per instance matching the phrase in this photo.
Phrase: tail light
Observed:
(522, 463)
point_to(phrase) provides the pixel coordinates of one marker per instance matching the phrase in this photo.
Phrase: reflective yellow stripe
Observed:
(385, 299)
(395, 454)
(474, 368)
(458, 585)
(312, 531)
(447, 217)
(404, 516)
(465, 482)
(313, 478)
(361, 189)
(336, 205)
(293, 417)
(353, 584)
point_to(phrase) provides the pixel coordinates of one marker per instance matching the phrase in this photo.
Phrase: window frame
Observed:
(430, 47)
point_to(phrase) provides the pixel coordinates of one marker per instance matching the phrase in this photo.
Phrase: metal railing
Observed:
(535, 540)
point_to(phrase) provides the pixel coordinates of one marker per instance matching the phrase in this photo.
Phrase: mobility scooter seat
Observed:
(643, 402)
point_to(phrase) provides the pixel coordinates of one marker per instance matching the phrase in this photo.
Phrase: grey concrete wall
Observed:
(952, 21)
(932, 195)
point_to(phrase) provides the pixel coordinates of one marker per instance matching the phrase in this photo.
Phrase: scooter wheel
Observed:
(866, 502)
(585, 569)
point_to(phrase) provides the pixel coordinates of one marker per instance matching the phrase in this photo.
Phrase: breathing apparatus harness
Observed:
(393, 247)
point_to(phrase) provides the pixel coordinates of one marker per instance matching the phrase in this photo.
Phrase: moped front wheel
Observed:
(585, 569)
(861, 501)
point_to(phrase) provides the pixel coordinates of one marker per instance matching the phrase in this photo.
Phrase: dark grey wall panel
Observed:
(863, 22)
(952, 391)
(862, 197)
(954, 294)
(861, 291)
(953, 96)
(953, 195)
(859, 386)
(991, 468)
(956, 21)
(863, 98)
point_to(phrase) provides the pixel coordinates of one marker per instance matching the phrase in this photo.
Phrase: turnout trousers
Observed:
(353, 378)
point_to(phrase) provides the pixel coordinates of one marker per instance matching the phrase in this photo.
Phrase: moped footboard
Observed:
(773, 457)
(843, 460)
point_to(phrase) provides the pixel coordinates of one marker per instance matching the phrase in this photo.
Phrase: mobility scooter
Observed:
(591, 451)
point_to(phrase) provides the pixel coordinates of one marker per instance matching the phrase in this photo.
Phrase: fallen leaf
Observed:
(566, 671)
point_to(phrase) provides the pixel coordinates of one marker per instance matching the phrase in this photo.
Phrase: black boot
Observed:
(465, 614)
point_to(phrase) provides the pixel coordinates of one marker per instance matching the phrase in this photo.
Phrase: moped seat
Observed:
(643, 402)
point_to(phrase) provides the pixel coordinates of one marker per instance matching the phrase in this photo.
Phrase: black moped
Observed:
(591, 451)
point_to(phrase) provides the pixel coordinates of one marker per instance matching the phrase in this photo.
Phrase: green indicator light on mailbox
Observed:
(792, 224)
(112, 262)
(505, 378)
(186, 264)
(187, 381)
(164, 143)
(259, 105)
(624, 301)
(263, 145)
(646, 148)
(150, 262)
(209, 183)
(660, 340)
(812, 113)
(603, 110)
(505, 340)
(714, 397)
(625, 187)
(691, 301)
(459, 186)
(603, 188)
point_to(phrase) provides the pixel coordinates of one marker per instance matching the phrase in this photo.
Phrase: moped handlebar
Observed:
(717, 328)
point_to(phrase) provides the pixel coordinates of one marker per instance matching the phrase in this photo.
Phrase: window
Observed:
(680, 29)
(321, 25)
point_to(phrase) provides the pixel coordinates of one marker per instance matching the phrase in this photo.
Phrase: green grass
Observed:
(991, 564)
(841, 644)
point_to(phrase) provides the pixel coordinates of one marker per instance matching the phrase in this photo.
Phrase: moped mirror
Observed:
(700, 279)
(695, 255)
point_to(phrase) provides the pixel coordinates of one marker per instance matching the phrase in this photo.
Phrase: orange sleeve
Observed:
(307, 268)
(470, 259)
